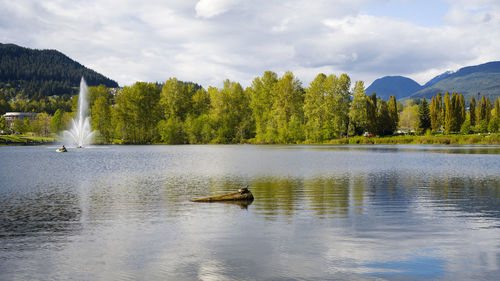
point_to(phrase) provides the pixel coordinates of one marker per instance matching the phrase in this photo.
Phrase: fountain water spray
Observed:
(80, 133)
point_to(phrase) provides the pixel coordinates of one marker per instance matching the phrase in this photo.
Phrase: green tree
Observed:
(424, 117)
(315, 109)
(261, 101)
(371, 113)
(230, 113)
(481, 110)
(488, 109)
(472, 111)
(494, 124)
(483, 126)
(41, 124)
(3, 124)
(449, 117)
(101, 118)
(461, 110)
(408, 118)
(56, 124)
(436, 112)
(288, 101)
(171, 130)
(497, 108)
(357, 112)
(4, 107)
(98, 91)
(198, 129)
(392, 107)
(136, 113)
(466, 126)
(176, 99)
(384, 121)
(200, 102)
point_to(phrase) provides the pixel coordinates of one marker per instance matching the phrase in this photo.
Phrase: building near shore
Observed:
(11, 117)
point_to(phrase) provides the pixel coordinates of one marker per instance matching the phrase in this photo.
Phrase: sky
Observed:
(209, 41)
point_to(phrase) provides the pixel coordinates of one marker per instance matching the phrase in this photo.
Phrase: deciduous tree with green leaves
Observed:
(136, 113)
(56, 124)
(357, 111)
(101, 118)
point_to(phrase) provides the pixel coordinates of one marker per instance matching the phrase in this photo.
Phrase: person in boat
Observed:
(62, 148)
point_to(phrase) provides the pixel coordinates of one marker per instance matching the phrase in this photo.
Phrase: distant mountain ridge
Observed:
(470, 80)
(398, 86)
(438, 78)
(38, 73)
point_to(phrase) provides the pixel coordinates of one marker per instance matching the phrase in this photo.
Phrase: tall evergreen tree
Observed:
(455, 113)
(371, 113)
(384, 126)
(449, 112)
(461, 110)
(436, 111)
(481, 110)
(472, 111)
(392, 107)
(424, 117)
(488, 110)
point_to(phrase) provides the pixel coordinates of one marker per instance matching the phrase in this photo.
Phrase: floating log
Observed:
(242, 194)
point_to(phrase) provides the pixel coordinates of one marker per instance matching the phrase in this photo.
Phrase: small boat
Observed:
(243, 194)
(61, 150)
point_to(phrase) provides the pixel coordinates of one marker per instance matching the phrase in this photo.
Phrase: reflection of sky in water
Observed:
(417, 266)
(320, 212)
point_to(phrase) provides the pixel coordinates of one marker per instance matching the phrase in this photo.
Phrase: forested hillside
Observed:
(35, 74)
(469, 81)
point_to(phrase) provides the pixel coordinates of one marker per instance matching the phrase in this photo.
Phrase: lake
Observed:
(320, 213)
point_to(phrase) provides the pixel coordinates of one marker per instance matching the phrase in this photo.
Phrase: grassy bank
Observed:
(24, 140)
(436, 139)
(493, 139)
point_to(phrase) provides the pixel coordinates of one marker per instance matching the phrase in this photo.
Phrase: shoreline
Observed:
(452, 139)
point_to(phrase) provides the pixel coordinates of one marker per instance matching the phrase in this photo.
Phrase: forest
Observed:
(36, 74)
(272, 110)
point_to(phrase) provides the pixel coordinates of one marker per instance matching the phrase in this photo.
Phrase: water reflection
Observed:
(319, 213)
(461, 149)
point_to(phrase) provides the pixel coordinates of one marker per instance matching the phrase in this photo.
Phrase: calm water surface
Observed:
(320, 213)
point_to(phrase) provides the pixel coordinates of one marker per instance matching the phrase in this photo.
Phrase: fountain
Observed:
(80, 133)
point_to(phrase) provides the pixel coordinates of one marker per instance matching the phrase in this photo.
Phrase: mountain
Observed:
(438, 78)
(39, 73)
(471, 80)
(397, 86)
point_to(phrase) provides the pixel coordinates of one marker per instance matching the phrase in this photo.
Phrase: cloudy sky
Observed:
(208, 41)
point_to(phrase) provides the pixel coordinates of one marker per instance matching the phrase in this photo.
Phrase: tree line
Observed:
(272, 109)
(450, 114)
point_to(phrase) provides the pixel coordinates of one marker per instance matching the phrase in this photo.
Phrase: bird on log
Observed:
(242, 194)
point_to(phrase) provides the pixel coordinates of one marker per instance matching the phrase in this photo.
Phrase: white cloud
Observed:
(208, 41)
(211, 8)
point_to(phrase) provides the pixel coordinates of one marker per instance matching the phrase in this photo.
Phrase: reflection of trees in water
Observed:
(323, 196)
(276, 194)
(468, 194)
(328, 196)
